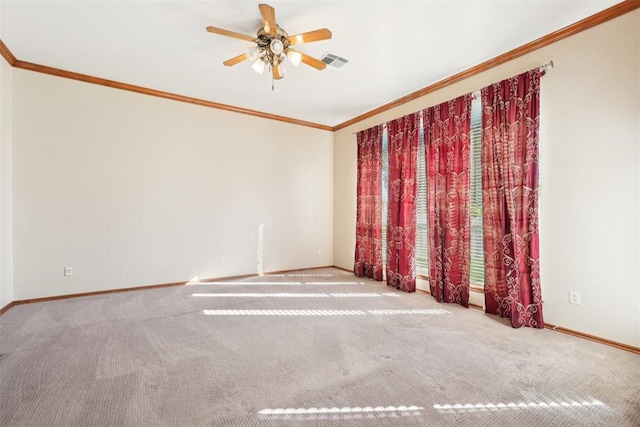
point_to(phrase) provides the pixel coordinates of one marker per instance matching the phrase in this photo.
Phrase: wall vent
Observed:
(333, 61)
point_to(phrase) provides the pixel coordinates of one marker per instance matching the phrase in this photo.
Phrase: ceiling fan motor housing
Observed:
(273, 47)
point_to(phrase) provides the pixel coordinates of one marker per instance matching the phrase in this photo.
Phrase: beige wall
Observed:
(6, 232)
(590, 167)
(134, 190)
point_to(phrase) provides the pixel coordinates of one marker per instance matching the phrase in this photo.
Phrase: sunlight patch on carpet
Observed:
(362, 294)
(294, 295)
(333, 283)
(317, 312)
(310, 275)
(283, 312)
(257, 295)
(344, 413)
(480, 407)
(411, 311)
(282, 283)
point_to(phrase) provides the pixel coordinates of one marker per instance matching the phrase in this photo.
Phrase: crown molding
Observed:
(160, 94)
(29, 66)
(589, 22)
(7, 54)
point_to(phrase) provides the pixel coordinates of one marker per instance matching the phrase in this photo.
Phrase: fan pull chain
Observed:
(273, 82)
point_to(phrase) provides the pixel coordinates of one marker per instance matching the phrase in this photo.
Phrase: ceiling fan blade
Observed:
(310, 60)
(276, 73)
(228, 33)
(311, 36)
(268, 18)
(235, 60)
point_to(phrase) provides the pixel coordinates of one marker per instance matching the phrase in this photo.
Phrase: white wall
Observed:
(589, 213)
(590, 199)
(134, 190)
(6, 232)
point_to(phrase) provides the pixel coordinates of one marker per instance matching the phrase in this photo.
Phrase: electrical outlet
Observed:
(221, 260)
(68, 271)
(319, 252)
(574, 297)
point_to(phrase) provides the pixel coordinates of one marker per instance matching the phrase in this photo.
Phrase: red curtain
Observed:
(510, 199)
(368, 255)
(447, 142)
(401, 219)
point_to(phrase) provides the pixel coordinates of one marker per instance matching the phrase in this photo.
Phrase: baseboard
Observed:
(590, 337)
(567, 331)
(141, 288)
(343, 269)
(271, 273)
(7, 307)
(92, 293)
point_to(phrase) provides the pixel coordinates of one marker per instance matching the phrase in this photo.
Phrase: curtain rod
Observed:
(544, 67)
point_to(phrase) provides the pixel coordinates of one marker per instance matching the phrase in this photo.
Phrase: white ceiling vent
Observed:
(333, 61)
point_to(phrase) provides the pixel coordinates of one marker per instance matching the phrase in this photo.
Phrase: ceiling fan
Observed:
(273, 45)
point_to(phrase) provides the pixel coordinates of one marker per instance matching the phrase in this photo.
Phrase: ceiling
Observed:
(394, 47)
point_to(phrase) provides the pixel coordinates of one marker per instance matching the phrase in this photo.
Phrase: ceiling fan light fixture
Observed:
(253, 53)
(294, 57)
(258, 66)
(277, 47)
(282, 70)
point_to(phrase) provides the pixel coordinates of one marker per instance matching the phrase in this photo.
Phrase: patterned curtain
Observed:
(447, 142)
(510, 199)
(368, 256)
(401, 219)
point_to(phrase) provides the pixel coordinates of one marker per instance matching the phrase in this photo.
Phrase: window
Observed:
(422, 225)
(422, 240)
(476, 276)
(385, 196)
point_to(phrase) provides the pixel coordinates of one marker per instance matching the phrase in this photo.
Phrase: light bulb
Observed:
(294, 57)
(276, 46)
(253, 53)
(258, 66)
(282, 70)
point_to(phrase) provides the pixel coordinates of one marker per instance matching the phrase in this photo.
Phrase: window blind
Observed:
(385, 195)
(422, 240)
(477, 246)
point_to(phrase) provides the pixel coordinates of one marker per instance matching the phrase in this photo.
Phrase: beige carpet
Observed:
(318, 347)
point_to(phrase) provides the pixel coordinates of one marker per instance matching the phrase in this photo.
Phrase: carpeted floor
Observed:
(320, 348)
